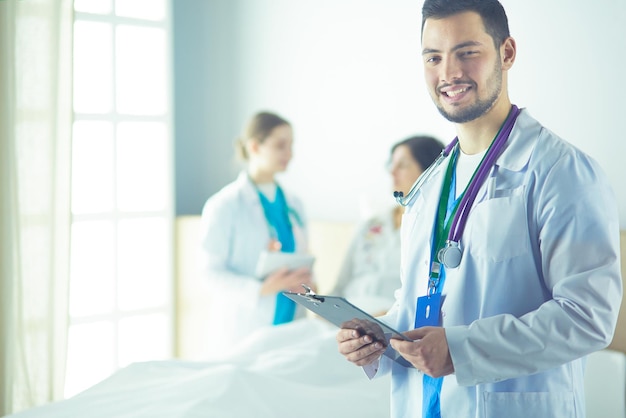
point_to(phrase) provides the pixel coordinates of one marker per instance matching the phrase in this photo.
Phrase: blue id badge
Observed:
(428, 311)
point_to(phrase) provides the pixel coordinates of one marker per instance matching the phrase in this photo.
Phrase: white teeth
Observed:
(455, 92)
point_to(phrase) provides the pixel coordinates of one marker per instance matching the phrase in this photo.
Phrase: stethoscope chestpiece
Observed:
(450, 255)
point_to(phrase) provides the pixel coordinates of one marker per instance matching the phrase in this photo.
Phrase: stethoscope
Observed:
(292, 215)
(450, 255)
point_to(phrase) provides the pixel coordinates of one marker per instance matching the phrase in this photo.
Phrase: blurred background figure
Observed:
(251, 215)
(371, 270)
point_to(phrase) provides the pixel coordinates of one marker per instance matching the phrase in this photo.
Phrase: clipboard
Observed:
(273, 260)
(339, 311)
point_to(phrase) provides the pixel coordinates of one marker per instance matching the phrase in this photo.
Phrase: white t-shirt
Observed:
(465, 167)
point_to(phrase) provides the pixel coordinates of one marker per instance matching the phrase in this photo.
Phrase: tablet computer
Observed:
(273, 260)
(341, 313)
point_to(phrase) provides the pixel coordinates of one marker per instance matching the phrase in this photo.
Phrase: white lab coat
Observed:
(370, 272)
(234, 234)
(537, 290)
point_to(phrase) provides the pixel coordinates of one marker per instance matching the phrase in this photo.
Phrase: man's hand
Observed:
(428, 352)
(357, 344)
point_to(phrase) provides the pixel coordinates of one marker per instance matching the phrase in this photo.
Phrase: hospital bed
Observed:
(288, 371)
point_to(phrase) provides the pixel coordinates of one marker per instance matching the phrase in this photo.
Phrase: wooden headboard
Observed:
(619, 339)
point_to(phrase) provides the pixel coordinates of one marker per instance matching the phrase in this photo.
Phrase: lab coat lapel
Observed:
(520, 144)
(424, 209)
(249, 193)
(515, 155)
(250, 198)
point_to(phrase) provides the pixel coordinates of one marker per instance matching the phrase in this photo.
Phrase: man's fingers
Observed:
(402, 346)
(362, 358)
(357, 348)
(351, 340)
(359, 352)
(345, 334)
(418, 334)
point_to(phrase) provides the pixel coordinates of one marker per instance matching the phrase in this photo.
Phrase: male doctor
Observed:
(510, 250)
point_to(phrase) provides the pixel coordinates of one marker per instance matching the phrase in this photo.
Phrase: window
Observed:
(121, 278)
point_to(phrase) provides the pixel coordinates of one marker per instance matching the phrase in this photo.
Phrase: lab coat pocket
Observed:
(529, 404)
(498, 228)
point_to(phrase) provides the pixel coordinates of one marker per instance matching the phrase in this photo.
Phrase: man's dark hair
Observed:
(491, 11)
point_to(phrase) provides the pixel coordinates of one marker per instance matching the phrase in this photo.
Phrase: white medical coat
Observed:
(538, 287)
(234, 233)
(370, 272)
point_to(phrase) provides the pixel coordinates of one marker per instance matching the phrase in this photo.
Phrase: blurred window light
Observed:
(133, 347)
(121, 275)
(143, 279)
(91, 347)
(142, 9)
(93, 167)
(92, 268)
(141, 70)
(142, 154)
(93, 67)
(93, 6)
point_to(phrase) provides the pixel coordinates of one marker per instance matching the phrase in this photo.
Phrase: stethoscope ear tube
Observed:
(405, 201)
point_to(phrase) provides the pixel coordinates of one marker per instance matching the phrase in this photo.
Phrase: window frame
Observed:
(115, 215)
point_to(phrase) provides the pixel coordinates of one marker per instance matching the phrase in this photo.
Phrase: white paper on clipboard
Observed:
(270, 261)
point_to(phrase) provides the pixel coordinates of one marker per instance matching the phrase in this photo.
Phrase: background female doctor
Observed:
(248, 216)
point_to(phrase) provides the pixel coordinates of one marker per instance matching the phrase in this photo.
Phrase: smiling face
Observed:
(462, 67)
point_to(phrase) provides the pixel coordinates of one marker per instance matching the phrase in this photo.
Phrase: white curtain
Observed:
(35, 160)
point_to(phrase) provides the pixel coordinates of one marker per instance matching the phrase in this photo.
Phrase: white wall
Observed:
(347, 74)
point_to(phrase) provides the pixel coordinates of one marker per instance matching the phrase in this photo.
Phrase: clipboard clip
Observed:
(311, 295)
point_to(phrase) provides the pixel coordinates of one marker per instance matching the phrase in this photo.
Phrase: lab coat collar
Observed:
(520, 144)
(248, 190)
(514, 157)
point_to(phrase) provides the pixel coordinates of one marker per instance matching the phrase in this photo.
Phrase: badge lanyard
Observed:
(428, 308)
(448, 207)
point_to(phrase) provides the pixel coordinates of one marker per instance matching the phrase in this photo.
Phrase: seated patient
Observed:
(371, 270)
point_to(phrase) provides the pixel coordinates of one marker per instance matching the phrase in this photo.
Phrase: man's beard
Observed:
(481, 106)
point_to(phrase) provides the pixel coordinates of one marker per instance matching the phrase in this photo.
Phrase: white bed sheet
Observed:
(292, 370)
